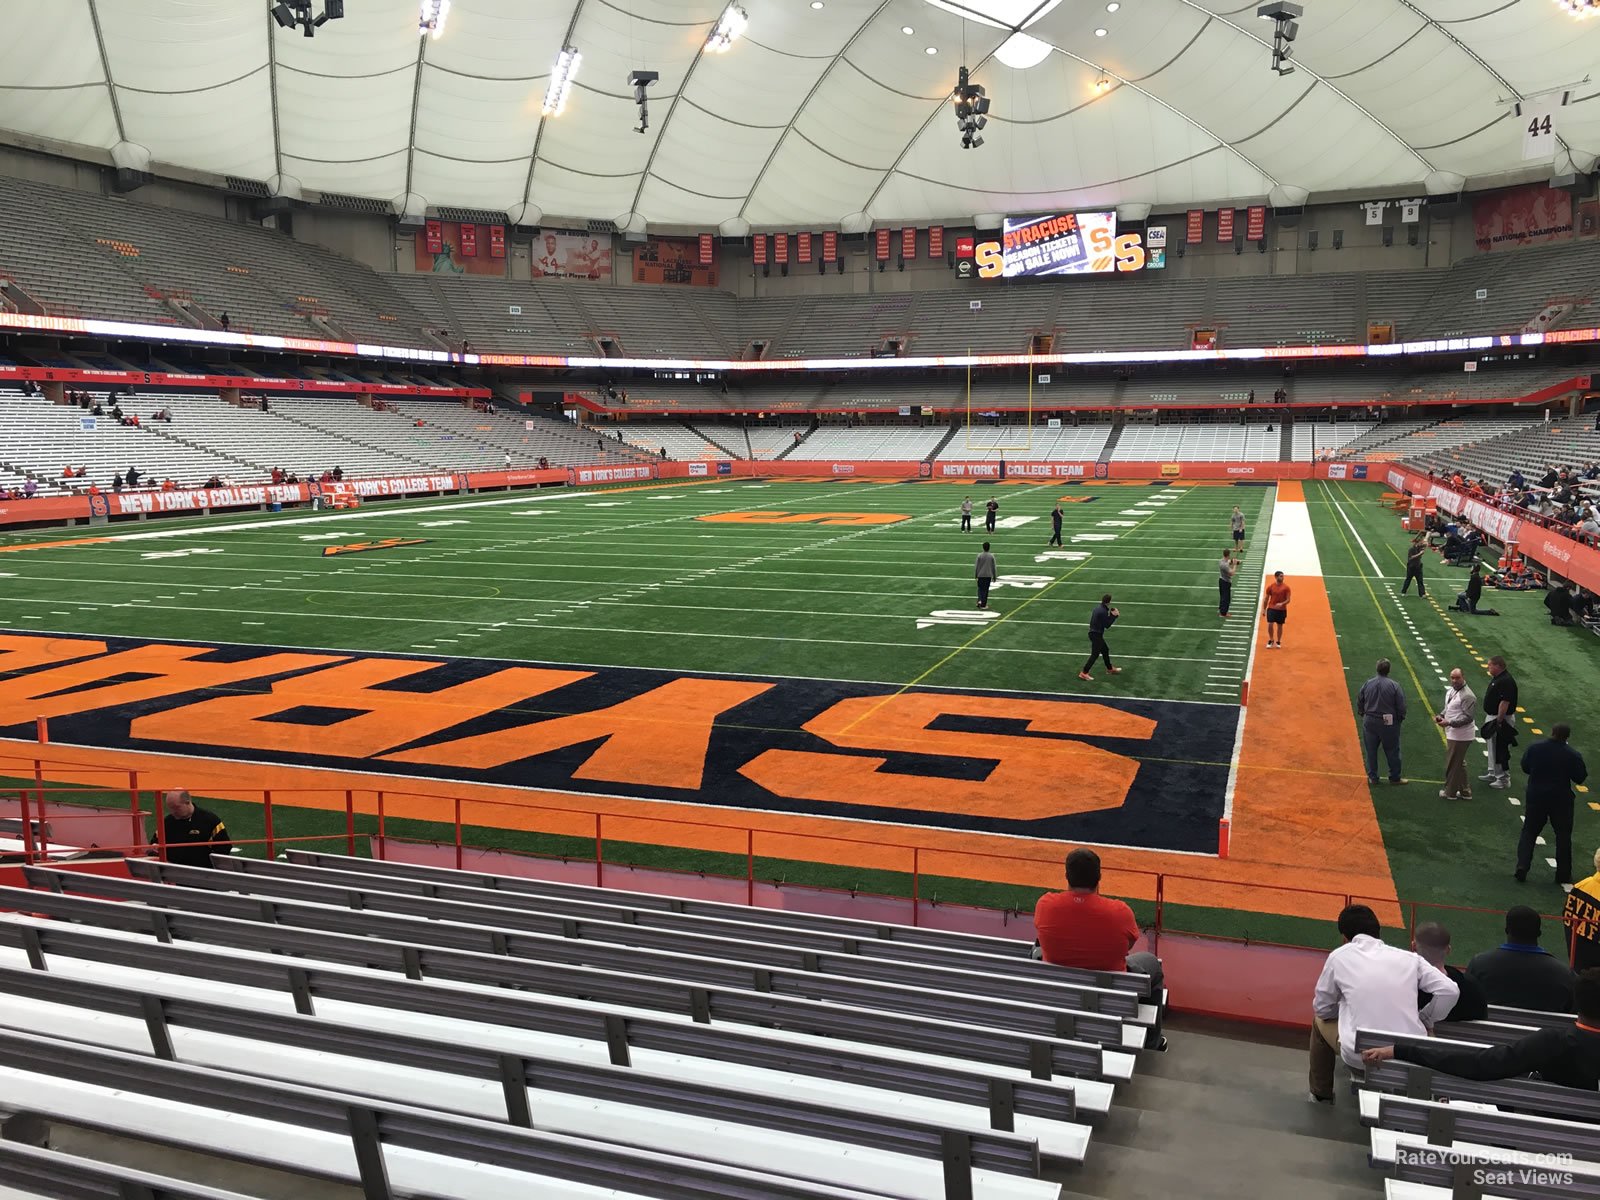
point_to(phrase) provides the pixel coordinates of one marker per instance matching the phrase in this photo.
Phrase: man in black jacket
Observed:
(1414, 565)
(1100, 620)
(1552, 768)
(189, 828)
(1568, 1055)
(1500, 727)
(1520, 972)
(1432, 944)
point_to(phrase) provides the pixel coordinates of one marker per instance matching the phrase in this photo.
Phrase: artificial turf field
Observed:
(805, 659)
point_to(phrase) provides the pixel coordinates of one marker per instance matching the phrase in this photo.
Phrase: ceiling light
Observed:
(1021, 51)
(728, 29)
(1102, 86)
(1580, 8)
(907, 30)
(816, 3)
(1113, 6)
(431, 18)
(1099, 33)
(561, 77)
(283, 15)
(931, 50)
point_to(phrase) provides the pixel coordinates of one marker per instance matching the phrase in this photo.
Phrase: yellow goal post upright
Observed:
(996, 445)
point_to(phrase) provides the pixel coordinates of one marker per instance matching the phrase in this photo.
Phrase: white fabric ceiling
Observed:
(816, 115)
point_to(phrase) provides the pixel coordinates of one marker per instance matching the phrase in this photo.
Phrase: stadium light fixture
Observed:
(1579, 8)
(561, 77)
(729, 29)
(431, 17)
(1285, 18)
(292, 14)
(972, 109)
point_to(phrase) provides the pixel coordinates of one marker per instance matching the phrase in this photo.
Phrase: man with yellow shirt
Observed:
(1581, 916)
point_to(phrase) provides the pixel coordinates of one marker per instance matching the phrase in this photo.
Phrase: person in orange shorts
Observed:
(1276, 607)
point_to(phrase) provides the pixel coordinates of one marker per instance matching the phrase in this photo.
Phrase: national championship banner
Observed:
(759, 249)
(881, 240)
(936, 241)
(571, 256)
(1522, 216)
(1224, 225)
(497, 241)
(1195, 226)
(780, 249)
(672, 260)
(908, 243)
(803, 247)
(457, 252)
(433, 240)
(1255, 223)
(707, 250)
(830, 246)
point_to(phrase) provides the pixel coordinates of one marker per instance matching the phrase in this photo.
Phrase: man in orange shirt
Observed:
(1081, 928)
(1277, 609)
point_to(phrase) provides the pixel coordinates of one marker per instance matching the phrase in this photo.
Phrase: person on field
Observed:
(193, 834)
(985, 572)
(1081, 928)
(1552, 768)
(1500, 729)
(966, 515)
(1459, 720)
(1414, 555)
(1381, 705)
(1226, 568)
(1236, 523)
(1276, 606)
(1100, 621)
(1055, 526)
(990, 510)
(1581, 917)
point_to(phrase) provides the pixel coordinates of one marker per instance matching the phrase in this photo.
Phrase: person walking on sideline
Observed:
(1236, 522)
(1500, 730)
(989, 511)
(985, 572)
(1055, 525)
(1100, 620)
(1414, 566)
(1552, 768)
(1458, 718)
(1226, 567)
(1381, 705)
(1276, 606)
(966, 515)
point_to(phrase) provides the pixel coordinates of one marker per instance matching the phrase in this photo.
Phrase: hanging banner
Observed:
(1195, 231)
(469, 241)
(760, 249)
(1410, 211)
(570, 256)
(780, 248)
(908, 243)
(497, 241)
(707, 250)
(672, 260)
(1522, 216)
(1374, 211)
(803, 247)
(1539, 131)
(457, 253)
(1255, 223)
(882, 240)
(830, 246)
(435, 237)
(936, 241)
(1224, 224)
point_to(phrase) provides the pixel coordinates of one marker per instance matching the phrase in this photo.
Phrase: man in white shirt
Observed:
(1459, 720)
(1366, 984)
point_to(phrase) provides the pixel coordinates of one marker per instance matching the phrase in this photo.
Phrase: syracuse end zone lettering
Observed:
(1143, 773)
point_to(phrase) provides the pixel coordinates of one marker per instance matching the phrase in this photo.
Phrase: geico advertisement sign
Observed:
(1127, 248)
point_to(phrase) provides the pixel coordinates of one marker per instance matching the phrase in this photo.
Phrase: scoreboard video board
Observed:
(1061, 244)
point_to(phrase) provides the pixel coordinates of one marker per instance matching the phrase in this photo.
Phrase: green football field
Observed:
(833, 593)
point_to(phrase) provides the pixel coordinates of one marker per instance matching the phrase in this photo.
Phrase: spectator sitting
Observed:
(116, 483)
(1521, 973)
(98, 410)
(1558, 602)
(193, 834)
(1432, 942)
(1568, 1055)
(1516, 480)
(338, 474)
(1081, 928)
(214, 482)
(1592, 471)
(30, 489)
(1366, 984)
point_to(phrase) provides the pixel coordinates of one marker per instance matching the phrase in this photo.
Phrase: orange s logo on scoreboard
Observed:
(794, 518)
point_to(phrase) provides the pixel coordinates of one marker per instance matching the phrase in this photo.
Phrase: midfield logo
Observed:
(1146, 773)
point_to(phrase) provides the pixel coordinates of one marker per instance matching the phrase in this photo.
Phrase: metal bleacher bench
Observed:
(959, 1151)
(562, 939)
(867, 938)
(50, 1173)
(1422, 1083)
(74, 936)
(381, 943)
